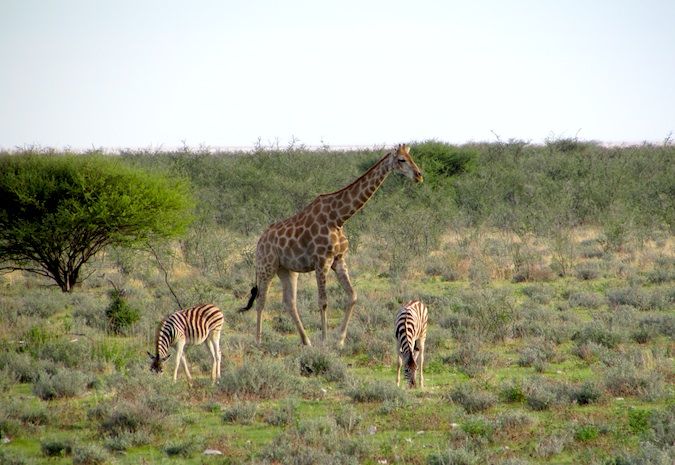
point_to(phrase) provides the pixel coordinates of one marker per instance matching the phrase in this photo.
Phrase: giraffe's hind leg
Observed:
(289, 283)
(263, 285)
(321, 271)
(342, 273)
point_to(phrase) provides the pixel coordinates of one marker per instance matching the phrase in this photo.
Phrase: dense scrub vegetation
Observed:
(549, 272)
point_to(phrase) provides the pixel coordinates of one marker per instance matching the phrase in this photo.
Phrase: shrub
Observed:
(625, 380)
(121, 316)
(586, 433)
(512, 419)
(538, 293)
(597, 333)
(347, 418)
(440, 161)
(377, 391)
(61, 350)
(453, 457)
(478, 427)
(89, 455)
(65, 383)
(56, 447)
(241, 412)
(283, 415)
(585, 299)
(21, 365)
(470, 358)
(265, 378)
(471, 399)
(632, 296)
(512, 391)
(8, 458)
(537, 355)
(317, 441)
(551, 445)
(541, 394)
(662, 425)
(639, 420)
(586, 393)
(184, 449)
(320, 362)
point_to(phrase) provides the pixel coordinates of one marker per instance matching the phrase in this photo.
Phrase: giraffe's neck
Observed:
(347, 201)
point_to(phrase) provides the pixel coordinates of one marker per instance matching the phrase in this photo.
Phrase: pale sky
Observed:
(157, 74)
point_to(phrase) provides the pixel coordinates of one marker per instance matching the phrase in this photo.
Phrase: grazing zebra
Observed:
(191, 326)
(411, 332)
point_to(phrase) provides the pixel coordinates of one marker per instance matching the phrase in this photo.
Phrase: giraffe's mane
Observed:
(375, 165)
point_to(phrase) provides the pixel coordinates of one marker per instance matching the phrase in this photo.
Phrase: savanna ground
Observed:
(549, 273)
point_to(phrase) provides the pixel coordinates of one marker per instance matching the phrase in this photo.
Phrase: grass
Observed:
(554, 369)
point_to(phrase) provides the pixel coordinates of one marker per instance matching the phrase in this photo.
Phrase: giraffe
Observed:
(313, 240)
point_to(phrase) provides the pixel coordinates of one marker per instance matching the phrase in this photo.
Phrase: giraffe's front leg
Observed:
(340, 268)
(321, 271)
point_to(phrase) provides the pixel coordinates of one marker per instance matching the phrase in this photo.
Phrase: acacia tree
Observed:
(58, 211)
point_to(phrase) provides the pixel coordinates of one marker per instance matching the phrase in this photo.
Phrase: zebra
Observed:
(411, 332)
(190, 326)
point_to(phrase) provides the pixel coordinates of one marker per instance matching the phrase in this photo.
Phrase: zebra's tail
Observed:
(254, 294)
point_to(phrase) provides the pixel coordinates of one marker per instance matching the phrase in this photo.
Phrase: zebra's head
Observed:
(410, 368)
(156, 362)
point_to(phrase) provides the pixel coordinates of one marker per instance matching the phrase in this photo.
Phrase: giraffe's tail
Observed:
(254, 294)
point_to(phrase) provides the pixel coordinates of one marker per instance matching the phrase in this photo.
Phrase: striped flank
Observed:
(411, 333)
(191, 326)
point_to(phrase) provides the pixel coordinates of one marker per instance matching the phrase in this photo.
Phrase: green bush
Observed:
(265, 378)
(121, 316)
(240, 412)
(377, 391)
(64, 383)
(440, 161)
(89, 455)
(453, 457)
(473, 400)
(284, 415)
(56, 447)
(586, 433)
(185, 449)
(320, 362)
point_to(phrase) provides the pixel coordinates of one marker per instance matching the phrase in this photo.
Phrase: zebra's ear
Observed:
(166, 358)
(150, 355)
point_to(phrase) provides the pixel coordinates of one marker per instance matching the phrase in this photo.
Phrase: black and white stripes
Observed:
(192, 326)
(411, 332)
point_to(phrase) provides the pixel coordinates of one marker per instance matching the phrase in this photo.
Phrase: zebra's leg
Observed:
(421, 363)
(216, 346)
(185, 367)
(179, 356)
(340, 268)
(398, 372)
(289, 283)
(321, 271)
(214, 358)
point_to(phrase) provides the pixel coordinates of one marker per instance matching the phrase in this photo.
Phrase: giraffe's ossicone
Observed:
(313, 240)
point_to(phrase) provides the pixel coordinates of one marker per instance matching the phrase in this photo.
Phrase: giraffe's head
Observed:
(156, 362)
(403, 163)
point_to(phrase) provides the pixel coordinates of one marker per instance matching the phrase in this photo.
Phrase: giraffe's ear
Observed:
(406, 149)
